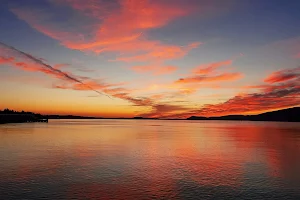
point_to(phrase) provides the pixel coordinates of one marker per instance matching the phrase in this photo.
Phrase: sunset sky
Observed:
(151, 58)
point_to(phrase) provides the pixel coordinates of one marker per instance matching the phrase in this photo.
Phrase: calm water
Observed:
(144, 159)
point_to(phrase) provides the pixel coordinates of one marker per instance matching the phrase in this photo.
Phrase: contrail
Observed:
(38, 61)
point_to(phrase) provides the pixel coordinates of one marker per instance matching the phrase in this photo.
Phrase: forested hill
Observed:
(285, 115)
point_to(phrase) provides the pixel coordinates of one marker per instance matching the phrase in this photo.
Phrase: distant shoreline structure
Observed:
(285, 115)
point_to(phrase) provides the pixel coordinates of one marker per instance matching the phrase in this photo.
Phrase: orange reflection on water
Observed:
(107, 159)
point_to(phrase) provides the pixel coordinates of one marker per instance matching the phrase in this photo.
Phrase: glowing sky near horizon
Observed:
(153, 58)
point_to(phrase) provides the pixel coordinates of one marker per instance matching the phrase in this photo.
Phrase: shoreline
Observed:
(22, 122)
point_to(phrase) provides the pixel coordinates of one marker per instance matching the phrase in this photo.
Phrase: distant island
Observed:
(12, 116)
(83, 117)
(69, 117)
(285, 115)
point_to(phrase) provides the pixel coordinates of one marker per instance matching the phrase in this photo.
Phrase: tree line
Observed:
(8, 111)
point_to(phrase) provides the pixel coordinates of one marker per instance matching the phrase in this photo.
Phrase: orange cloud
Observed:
(88, 84)
(253, 103)
(78, 84)
(203, 74)
(281, 93)
(31, 63)
(283, 75)
(207, 77)
(245, 104)
(217, 78)
(156, 70)
(211, 67)
(163, 110)
(157, 109)
(278, 92)
(114, 27)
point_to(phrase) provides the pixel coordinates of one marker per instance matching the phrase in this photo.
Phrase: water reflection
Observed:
(138, 159)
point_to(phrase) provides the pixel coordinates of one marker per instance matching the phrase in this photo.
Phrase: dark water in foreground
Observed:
(141, 159)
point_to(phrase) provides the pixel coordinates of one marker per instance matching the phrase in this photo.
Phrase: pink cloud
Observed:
(5, 60)
(211, 67)
(161, 52)
(116, 27)
(33, 67)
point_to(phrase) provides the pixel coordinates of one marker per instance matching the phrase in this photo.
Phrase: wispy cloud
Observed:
(36, 64)
(279, 90)
(161, 52)
(117, 26)
(254, 103)
(207, 73)
(283, 75)
(216, 78)
(282, 93)
(5, 60)
(164, 110)
(211, 67)
(24, 61)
